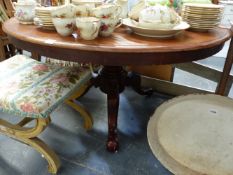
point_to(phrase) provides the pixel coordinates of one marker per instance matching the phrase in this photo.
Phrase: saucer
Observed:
(40, 24)
(25, 22)
(155, 33)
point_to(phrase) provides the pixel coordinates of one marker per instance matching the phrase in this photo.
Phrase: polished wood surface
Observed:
(128, 48)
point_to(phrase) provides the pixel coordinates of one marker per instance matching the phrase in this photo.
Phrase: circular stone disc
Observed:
(193, 135)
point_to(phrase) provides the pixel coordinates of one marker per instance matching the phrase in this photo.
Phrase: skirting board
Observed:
(170, 87)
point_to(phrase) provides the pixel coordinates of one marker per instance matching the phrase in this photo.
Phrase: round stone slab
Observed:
(193, 135)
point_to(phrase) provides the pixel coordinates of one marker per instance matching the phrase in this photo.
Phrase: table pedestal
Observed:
(112, 81)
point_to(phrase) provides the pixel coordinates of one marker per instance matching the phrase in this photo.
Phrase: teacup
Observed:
(107, 11)
(64, 26)
(64, 11)
(83, 10)
(108, 25)
(88, 27)
(25, 12)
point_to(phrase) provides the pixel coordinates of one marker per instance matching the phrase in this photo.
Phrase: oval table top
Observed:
(122, 48)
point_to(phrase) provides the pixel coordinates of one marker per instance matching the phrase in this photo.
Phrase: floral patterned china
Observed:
(25, 12)
(64, 26)
(108, 25)
(109, 15)
(158, 17)
(107, 11)
(83, 10)
(64, 11)
(156, 33)
(88, 27)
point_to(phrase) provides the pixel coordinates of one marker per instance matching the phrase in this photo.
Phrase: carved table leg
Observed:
(111, 80)
(113, 105)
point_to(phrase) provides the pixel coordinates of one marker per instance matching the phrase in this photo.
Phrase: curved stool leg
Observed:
(45, 151)
(25, 121)
(88, 121)
(29, 137)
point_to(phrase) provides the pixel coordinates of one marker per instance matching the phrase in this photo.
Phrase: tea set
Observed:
(92, 18)
(88, 20)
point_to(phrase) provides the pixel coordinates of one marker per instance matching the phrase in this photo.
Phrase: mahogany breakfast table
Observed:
(121, 49)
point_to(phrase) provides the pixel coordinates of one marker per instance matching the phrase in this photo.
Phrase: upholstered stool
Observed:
(193, 135)
(32, 90)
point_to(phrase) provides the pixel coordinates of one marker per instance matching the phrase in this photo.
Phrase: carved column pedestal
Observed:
(112, 81)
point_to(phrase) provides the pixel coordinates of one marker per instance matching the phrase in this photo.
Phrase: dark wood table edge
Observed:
(110, 59)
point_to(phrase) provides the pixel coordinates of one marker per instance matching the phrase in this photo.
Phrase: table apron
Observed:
(116, 58)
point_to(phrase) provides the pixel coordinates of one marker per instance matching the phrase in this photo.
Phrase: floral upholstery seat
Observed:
(33, 89)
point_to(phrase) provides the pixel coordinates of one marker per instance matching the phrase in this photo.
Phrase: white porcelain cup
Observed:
(64, 26)
(108, 25)
(83, 10)
(124, 7)
(64, 11)
(107, 11)
(88, 27)
(25, 12)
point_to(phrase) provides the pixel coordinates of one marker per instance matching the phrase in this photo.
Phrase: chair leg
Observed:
(88, 121)
(12, 50)
(221, 87)
(28, 136)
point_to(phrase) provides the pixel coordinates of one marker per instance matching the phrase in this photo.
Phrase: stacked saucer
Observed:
(202, 17)
(43, 17)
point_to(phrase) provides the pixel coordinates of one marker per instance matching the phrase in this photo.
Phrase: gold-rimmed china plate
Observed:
(46, 26)
(45, 9)
(202, 18)
(201, 6)
(155, 33)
